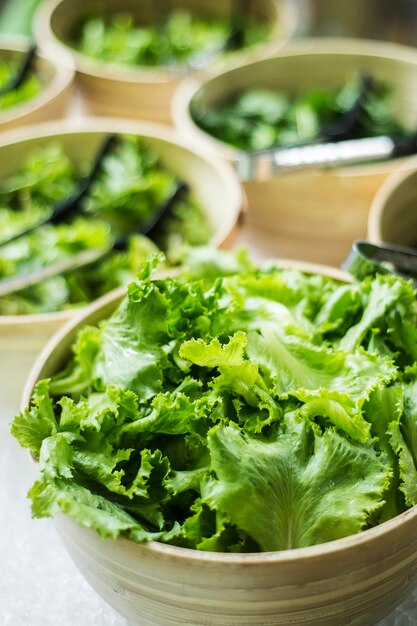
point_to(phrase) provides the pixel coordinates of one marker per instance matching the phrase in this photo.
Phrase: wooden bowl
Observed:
(356, 580)
(314, 214)
(213, 184)
(393, 214)
(142, 93)
(52, 100)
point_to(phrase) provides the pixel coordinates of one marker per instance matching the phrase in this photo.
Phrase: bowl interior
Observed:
(43, 67)
(213, 185)
(67, 15)
(393, 215)
(53, 79)
(304, 66)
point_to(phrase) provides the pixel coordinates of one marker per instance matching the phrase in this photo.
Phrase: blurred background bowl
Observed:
(213, 184)
(141, 92)
(356, 580)
(393, 214)
(53, 99)
(311, 214)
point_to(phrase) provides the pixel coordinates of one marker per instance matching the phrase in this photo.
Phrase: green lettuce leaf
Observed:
(296, 491)
(243, 409)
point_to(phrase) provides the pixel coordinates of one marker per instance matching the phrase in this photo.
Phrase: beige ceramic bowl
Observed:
(215, 186)
(312, 215)
(52, 101)
(393, 214)
(351, 581)
(143, 93)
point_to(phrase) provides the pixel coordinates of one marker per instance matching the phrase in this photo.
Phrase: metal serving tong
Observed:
(267, 163)
(367, 259)
(88, 257)
(334, 147)
(21, 73)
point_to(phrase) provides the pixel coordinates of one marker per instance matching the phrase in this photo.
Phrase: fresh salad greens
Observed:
(31, 86)
(261, 118)
(179, 38)
(16, 16)
(129, 188)
(234, 409)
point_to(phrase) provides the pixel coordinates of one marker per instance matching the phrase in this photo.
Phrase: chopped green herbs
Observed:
(234, 409)
(177, 39)
(129, 188)
(261, 118)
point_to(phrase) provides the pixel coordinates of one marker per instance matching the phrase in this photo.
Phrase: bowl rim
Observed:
(337, 546)
(382, 198)
(284, 26)
(61, 80)
(97, 124)
(319, 46)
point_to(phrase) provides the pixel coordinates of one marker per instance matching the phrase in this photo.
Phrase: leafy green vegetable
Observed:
(16, 16)
(130, 187)
(261, 118)
(31, 86)
(233, 409)
(176, 39)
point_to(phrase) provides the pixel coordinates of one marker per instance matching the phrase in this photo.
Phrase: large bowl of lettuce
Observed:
(234, 445)
(43, 165)
(44, 92)
(294, 98)
(130, 56)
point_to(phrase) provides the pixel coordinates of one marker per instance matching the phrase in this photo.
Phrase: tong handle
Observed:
(262, 165)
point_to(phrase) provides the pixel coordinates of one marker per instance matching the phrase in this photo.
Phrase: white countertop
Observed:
(40, 585)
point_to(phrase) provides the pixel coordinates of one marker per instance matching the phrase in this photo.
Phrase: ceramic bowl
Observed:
(310, 214)
(143, 93)
(213, 184)
(52, 101)
(351, 581)
(393, 214)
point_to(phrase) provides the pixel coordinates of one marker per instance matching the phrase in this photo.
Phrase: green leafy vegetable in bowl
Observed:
(180, 38)
(31, 86)
(234, 409)
(262, 118)
(130, 187)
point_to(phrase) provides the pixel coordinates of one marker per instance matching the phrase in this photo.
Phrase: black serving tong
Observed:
(66, 208)
(88, 257)
(21, 73)
(348, 123)
(367, 259)
(238, 19)
(235, 39)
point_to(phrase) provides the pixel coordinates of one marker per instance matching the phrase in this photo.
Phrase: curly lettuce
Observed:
(233, 409)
